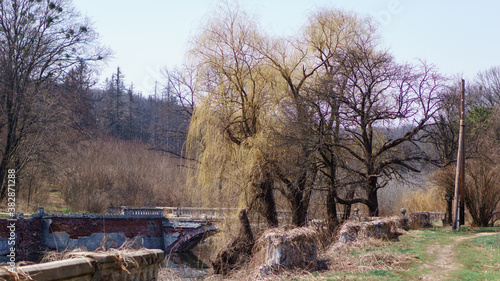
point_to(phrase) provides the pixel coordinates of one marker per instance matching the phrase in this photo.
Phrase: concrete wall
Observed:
(60, 233)
(138, 265)
(56, 232)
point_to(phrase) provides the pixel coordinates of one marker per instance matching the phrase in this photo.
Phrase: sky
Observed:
(458, 37)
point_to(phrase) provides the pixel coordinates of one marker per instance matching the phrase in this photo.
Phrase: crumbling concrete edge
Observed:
(94, 266)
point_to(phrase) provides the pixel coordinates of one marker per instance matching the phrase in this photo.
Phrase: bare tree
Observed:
(39, 41)
(482, 187)
(488, 84)
(482, 190)
(330, 33)
(183, 83)
(77, 97)
(381, 96)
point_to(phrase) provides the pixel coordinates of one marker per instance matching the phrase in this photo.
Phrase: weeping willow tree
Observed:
(228, 134)
(248, 131)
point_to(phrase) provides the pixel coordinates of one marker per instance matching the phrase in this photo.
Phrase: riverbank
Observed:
(430, 254)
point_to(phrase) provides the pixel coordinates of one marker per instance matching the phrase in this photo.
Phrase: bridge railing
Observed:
(436, 216)
(198, 213)
(137, 212)
(213, 213)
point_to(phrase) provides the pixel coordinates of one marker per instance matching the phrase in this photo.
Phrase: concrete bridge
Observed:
(144, 227)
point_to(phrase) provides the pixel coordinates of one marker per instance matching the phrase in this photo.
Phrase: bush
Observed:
(482, 190)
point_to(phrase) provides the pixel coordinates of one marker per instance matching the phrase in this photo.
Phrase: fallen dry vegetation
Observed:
(340, 257)
(272, 254)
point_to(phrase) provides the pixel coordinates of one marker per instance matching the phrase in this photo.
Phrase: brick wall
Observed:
(130, 227)
(28, 241)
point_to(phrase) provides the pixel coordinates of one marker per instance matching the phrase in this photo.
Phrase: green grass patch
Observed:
(56, 209)
(416, 242)
(480, 258)
(488, 242)
(472, 230)
(372, 275)
(381, 273)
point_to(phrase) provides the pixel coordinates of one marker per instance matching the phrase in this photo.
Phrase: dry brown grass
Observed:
(429, 200)
(62, 255)
(103, 172)
(118, 252)
(298, 245)
(92, 174)
(340, 257)
(17, 273)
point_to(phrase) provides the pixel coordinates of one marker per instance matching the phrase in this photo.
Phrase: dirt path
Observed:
(445, 261)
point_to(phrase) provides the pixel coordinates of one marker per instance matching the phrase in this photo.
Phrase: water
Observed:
(196, 264)
(193, 265)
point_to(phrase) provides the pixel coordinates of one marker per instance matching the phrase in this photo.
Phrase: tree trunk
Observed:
(238, 251)
(347, 208)
(372, 197)
(268, 209)
(331, 209)
(9, 150)
(449, 207)
(299, 211)
(300, 197)
(3, 177)
(331, 203)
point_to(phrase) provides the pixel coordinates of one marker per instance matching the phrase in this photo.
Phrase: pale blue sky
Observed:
(459, 37)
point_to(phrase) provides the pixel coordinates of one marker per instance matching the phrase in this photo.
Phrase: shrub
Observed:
(482, 190)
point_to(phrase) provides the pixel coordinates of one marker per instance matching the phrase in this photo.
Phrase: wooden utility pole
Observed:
(458, 218)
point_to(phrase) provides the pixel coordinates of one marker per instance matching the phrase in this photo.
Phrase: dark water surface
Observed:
(193, 265)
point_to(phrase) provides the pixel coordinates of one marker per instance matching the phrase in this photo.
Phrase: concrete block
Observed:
(420, 220)
(378, 228)
(97, 266)
(296, 248)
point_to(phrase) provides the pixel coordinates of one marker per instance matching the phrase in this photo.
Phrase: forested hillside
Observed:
(95, 146)
(118, 111)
